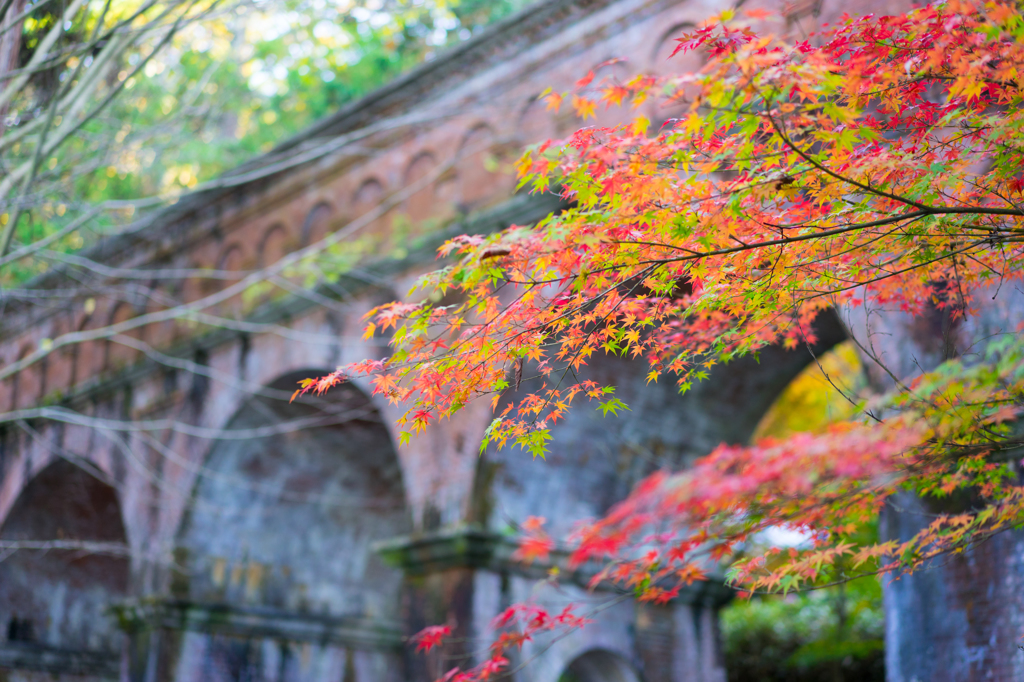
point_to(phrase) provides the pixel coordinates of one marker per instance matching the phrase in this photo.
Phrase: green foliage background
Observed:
(227, 88)
(830, 635)
(804, 638)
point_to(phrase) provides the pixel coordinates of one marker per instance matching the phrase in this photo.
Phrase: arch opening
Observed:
(761, 636)
(278, 540)
(273, 245)
(367, 196)
(823, 392)
(594, 461)
(599, 665)
(317, 224)
(56, 590)
(421, 203)
(477, 167)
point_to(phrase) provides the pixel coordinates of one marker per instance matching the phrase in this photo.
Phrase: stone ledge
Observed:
(37, 657)
(255, 622)
(425, 553)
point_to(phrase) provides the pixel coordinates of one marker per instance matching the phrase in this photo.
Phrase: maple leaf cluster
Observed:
(515, 626)
(876, 163)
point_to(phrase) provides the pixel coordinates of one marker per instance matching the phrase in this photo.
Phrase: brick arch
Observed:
(419, 165)
(368, 195)
(476, 181)
(605, 651)
(287, 357)
(280, 527)
(534, 123)
(317, 223)
(595, 461)
(86, 357)
(612, 67)
(231, 257)
(54, 603)
(58, 365)
(273, 245)
(478, 138)
(421, 203)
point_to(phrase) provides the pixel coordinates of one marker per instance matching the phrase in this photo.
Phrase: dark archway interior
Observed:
(594, 461)
(285, 521)
(599, 665)
(60, 597)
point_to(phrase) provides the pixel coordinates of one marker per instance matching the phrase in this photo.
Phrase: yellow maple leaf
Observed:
(585, 108)
(553, 101)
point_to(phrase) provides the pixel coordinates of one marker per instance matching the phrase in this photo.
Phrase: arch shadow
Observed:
(277, 541)
(594, 461)
(599, 665)
(57, 588)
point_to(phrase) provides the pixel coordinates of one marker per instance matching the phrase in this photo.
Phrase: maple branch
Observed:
(828, 171)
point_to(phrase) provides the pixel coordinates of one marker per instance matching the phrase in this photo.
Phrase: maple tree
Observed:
(878, 162)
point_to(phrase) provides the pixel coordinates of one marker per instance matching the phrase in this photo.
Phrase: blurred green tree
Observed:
(229, 82)
(829, 635)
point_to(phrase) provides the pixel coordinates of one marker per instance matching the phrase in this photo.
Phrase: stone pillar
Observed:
(681, 642)
(960, 617)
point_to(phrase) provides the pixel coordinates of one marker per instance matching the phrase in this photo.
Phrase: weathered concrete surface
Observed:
(961, 617)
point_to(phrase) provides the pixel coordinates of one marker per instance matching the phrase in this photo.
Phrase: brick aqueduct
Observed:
(269, 541)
